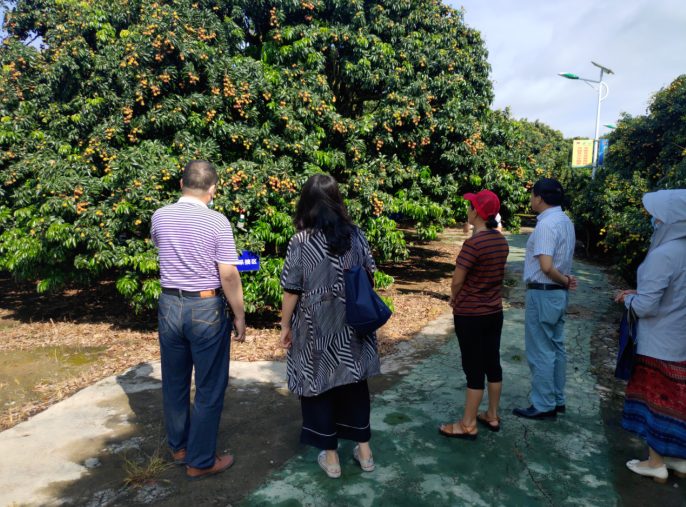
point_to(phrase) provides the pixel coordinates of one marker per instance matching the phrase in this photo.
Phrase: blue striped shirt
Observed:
(554, 236)
(192, 240)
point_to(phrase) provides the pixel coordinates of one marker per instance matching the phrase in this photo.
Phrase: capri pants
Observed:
(479, 337)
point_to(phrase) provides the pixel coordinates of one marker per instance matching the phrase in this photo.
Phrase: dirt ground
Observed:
(53, 345)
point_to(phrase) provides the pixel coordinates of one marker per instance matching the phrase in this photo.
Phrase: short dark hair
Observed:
(550, 190)
(199, 175)
(321, 208)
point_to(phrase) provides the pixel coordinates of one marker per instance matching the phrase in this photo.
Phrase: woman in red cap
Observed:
(476, 298)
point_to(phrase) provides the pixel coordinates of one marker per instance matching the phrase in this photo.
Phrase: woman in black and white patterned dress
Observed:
(328, 361)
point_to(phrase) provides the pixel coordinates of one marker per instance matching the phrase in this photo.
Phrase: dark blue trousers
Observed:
(194, 333)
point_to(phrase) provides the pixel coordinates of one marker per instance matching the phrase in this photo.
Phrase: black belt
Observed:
(545, 286)
(203, 294)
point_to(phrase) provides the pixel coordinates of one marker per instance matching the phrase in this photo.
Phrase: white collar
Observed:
(192, 200)
(549, 211)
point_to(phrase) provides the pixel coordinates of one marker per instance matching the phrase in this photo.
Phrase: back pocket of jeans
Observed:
(553, 307)
(206, 321)
(162, 317)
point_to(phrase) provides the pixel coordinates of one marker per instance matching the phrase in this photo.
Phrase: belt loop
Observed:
(181, 295)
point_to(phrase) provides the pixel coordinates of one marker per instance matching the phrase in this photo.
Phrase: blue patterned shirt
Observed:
(554, 236)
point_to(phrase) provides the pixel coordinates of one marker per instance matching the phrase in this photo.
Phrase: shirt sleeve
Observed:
(468, 256)
(655, 280)
(292, 273)
(153, 231)
(545, 240)
(153, 235)
(225, 252)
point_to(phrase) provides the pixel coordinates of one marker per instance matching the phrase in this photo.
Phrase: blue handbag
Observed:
(627, 344)
(365, 311)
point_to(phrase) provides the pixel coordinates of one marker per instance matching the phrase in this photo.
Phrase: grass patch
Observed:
(510, 282)
(516, 358)
(139, 472)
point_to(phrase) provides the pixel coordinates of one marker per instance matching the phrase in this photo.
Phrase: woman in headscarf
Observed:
(655, 406)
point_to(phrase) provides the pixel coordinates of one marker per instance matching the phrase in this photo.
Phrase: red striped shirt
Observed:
(483, 256)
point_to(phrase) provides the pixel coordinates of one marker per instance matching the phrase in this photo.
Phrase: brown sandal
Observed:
(465, 435)
(486, 421)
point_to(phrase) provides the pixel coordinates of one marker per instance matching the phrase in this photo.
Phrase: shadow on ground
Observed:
(260, 425)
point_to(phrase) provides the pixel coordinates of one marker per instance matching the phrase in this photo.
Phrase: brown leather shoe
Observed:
(179, 457)
(221, 464)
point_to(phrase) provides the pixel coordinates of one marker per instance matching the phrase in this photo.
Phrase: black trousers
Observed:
(479, 337)
(341, 412)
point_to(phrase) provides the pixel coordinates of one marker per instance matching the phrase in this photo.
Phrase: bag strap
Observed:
(358, 247)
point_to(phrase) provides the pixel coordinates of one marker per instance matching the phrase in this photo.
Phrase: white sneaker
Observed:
(678, 465)
(659, 474)
(366, 464)
(333, 471)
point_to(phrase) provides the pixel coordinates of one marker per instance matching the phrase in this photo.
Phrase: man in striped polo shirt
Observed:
(548, 278)
(197, 261)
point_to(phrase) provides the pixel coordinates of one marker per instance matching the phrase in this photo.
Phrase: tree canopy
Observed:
(391, 97)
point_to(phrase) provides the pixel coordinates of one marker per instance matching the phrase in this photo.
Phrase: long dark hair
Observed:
(321, 208)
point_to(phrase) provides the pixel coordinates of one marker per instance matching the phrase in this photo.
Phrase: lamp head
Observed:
(568, 75)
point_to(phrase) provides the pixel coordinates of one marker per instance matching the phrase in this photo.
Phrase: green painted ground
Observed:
(527, 463)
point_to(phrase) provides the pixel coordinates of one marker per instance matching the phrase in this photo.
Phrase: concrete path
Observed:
(73, 453)
(61, 444)
(527, 463)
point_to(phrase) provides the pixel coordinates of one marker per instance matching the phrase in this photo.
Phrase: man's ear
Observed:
(181, 181)
(212, 190)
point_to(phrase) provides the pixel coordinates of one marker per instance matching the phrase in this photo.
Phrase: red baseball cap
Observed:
(486, 203)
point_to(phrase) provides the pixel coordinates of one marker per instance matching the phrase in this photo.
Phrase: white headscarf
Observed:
(669, 207)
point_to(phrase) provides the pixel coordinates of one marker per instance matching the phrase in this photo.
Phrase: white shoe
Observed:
(366, 464)
(659, 474)
(678, 465)
(333, 471)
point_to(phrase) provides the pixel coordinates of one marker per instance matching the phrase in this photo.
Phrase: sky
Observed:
(530, 41)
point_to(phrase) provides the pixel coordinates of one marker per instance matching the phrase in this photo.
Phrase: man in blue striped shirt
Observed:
(548, 278)
(197, 261)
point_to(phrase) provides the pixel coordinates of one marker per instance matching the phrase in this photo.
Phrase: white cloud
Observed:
(530, 41)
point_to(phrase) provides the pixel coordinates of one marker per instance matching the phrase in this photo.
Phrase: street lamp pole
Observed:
(568, 75)
(596, 146)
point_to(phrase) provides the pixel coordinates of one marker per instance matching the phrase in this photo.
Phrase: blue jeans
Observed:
(545, 350)
(194, 332)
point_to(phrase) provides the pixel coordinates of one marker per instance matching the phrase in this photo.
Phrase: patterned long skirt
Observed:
(655, 405)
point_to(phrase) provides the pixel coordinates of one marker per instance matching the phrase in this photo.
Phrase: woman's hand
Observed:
(620, 297)
(286, 338)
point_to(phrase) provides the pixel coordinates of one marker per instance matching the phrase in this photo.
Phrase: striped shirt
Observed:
(553, 236)
(483, 256)
(192, 239)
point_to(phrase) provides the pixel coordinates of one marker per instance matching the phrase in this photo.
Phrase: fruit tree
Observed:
(391, 97)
